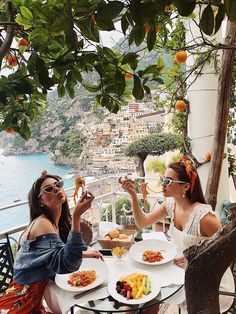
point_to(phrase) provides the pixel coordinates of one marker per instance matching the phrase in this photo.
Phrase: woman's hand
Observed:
(180, 261)
(83, 204)
(92, 254)
(128, 185)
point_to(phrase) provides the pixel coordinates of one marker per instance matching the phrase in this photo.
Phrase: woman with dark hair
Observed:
(192, 220)
(51, 244)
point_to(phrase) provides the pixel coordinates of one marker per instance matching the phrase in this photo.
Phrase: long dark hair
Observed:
(196, 195)
(36, 209)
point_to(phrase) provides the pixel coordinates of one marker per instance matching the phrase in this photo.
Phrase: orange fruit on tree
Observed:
(93, 19)
(147, 27)
(180, 105)
(181, 56)
(23, 42)
(207, 156)
(12, 60)
(10, 131)
(128, 75)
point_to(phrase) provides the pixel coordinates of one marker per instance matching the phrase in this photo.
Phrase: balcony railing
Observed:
(106, 190)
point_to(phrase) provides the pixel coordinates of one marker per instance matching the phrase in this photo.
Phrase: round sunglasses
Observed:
(51, 188)
(167, 181)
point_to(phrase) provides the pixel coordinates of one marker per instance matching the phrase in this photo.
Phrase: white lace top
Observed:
(191, 235)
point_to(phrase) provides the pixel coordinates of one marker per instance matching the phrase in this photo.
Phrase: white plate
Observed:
(168, 250)
(155, 287)
(87, 264)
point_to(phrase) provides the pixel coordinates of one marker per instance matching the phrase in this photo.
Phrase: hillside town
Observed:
(104, 151)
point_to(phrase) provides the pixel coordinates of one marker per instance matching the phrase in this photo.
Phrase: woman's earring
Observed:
(183, 195)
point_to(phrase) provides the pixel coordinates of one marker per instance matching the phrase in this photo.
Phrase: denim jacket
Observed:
(46, 256)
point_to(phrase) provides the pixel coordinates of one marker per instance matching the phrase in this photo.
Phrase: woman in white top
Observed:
(192, 220)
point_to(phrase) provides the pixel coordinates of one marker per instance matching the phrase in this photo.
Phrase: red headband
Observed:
(191, 173)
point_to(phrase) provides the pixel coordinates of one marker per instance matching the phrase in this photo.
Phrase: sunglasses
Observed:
(51, 188)
(167, 181)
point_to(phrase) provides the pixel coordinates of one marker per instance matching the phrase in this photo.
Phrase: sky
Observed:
(109, 39)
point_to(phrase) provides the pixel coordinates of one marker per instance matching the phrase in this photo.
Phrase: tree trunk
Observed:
(206, 266)
(6, 44)
(222, 114)
(140, 164)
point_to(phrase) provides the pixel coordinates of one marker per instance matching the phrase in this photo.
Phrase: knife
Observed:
(79, 295)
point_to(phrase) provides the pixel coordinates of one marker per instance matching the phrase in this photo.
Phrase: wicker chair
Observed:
(232, 309)
(6, 264)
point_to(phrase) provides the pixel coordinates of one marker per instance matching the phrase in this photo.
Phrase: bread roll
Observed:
(114, 233)
(123, 236)
(115, 239)
(107, 237)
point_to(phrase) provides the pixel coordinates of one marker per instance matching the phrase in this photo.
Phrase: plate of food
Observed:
(91, 274)
(134, 287)
(153, 252)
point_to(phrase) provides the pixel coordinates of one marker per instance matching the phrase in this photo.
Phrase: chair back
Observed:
(6, 264)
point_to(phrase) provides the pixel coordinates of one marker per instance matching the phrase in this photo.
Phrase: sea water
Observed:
(17, 174)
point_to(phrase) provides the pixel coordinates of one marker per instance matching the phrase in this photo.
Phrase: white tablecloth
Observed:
(60, 300)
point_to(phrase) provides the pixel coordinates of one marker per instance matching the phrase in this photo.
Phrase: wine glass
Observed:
(119, 254)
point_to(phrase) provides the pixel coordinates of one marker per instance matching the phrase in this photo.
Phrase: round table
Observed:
(169, 275)
(109, 305)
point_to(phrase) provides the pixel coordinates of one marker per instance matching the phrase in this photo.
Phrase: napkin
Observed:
(106, 226)
(156, 235)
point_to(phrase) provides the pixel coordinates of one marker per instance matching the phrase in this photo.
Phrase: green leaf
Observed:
(185, 7)
(137, 91)
(230, 8)
(116, 107)
(159, 80)
(207, 20)
(89, 30)
(151, 69)
(109, 54)
(120, 83)
(151, 38)
(24, 86)
(147, 89)
(160, 6)
(132, 59)
(160, 63)
(24, 22)
(25, 130)
(44, 78)
(109, 10)
(129, 57)
(61, 90)
(3, 95)
(70, 90)
(76, 74)
(104, 24)
(26, 13)
(91, 87)
(124, 23)
(137, 35)
(219, 17)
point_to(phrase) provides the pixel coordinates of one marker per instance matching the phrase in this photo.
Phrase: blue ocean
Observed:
(17, 173)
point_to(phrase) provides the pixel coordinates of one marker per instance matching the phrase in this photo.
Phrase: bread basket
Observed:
(110, 244)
